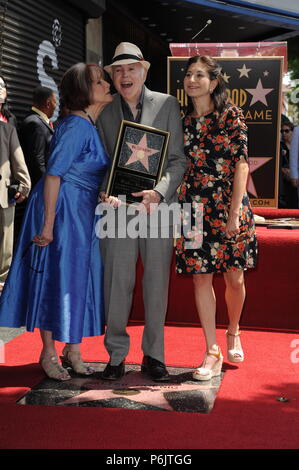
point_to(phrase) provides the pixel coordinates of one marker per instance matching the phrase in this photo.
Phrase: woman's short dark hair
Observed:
(76, 86)
(220, 95)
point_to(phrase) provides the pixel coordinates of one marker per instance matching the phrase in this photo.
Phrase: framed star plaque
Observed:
(138, 160)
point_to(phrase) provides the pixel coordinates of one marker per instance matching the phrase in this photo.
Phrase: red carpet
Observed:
(246, 415)
(272, 286)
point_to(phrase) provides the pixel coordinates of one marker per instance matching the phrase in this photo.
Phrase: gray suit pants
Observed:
(6, 240)
(120, 258)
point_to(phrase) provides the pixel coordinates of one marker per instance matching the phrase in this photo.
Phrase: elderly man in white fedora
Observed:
(135, 102)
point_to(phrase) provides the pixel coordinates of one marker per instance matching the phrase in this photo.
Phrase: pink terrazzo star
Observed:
(140, 152)
(146, 392)
(254, 164)
(259, 93)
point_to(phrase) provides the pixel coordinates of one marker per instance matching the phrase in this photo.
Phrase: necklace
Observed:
(204, 113)
(91, 120)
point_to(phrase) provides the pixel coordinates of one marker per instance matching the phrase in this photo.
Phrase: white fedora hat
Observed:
(127, 53)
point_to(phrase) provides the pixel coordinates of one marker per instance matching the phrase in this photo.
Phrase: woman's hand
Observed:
(51, 191)
(110, 200)
(45, 238)
(232, 226)
(239, 189)
(19, 197)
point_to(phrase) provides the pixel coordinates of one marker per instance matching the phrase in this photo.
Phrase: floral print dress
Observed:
(213, 146)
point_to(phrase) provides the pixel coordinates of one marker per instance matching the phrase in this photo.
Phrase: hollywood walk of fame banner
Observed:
(138, 160)
(254, 84)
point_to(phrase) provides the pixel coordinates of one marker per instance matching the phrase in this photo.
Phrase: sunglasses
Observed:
(285, 131)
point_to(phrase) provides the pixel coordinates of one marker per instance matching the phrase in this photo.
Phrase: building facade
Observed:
(40, 40)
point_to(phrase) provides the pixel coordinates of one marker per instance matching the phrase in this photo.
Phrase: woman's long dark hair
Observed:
(5, 108)
(220, 95)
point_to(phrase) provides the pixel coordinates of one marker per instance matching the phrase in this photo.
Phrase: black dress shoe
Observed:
(154, 369)
(113, 372)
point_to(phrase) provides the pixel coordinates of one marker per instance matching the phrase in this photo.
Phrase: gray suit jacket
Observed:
(12, 163)
(162, 112)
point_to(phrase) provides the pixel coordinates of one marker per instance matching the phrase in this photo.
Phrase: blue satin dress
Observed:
(59, 287)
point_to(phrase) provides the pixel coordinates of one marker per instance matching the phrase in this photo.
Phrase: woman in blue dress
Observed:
(55, 281)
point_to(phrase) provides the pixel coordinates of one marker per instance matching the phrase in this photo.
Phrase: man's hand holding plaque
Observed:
(150, 200)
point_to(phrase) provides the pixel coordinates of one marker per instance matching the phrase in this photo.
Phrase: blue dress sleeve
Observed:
(67, 144)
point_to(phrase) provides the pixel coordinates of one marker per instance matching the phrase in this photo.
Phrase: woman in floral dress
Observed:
(221, 236)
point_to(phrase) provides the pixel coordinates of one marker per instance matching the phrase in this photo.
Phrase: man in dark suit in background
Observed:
(36, 132)
(35, 135)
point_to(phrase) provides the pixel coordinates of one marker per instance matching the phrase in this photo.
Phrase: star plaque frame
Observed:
(138, 160)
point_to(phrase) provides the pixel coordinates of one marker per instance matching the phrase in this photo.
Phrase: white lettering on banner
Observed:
(56, 33)
(294, 95)
(47, 49)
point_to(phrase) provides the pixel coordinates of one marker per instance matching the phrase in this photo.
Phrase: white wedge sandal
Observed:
(235, 352)
(206, 373)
